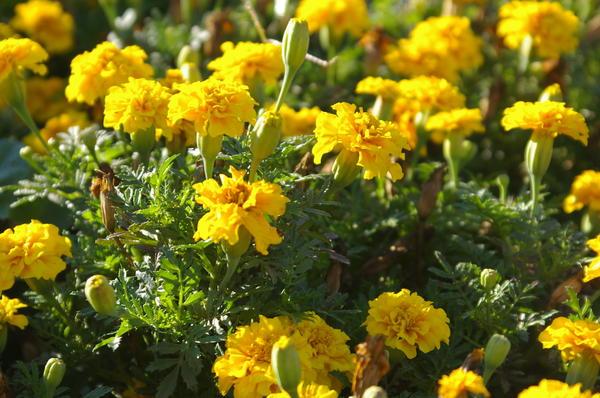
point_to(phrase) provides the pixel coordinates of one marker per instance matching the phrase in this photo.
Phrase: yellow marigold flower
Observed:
(245, 62)
(340, 16)
(136, 106)
(438, 46)
(94, 72)
(6, 31)
(309, 390)
(54, 126)
(585, 191)
(386, 88)
(572, 338)
(236, 203)
(592, 271)
(432, 94)
(461, 121)
(8, 313)
(216, 107)
(172, 77)
(19, 54)
(45, 21)
(301, 122)
(32, 250)
(408, 322)
(547, 118)
(459, 383)
(539, 20)
(556, 389)
(373, 141)
(45, 98)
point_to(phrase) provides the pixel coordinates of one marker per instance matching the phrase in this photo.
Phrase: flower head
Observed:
(32, 250)
(592, 271)
(439, 46)
(585, 191)
(373, 141)
(340, 16)
(46, 22)
(461, 121)
(309, 390)
(235, 204)
(547, 118)
(246, 61)
(408, 322)
(572, 338)
(94, 72)
(8, 313)
(19, 54)
(215, 107)
(45, 97)
(556, 389)
(539, 19)
(431, 94)
(386, 88)
(300, 122)
(459, 383)
(136, 106)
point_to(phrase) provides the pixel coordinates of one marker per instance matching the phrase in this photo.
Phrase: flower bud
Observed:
(538, 155)
(552, 93)
(286, 365)
(345, 169)
(489, 278)
(101, 295)
(265, 135)
(496, 352)
(294, 45)
(54, 371)
(374, 392)
(187, 55)
(190, 72)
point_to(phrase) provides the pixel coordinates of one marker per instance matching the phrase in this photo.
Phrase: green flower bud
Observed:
(583, 369)
(374, 392)
(54, 371)
(190, 72)
(294, 45)
(187, 55)
(552, 93)
(489, 278)
(101, 295)
(265, 135)
(496, 352)
(286, 366)
(345, 169)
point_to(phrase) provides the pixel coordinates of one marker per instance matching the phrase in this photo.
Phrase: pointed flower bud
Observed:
(489, 278)
(286, 365)
(101, 295)
(496, 352)
(552, 93)
(54, 371)
(266, 135)
(294, 45)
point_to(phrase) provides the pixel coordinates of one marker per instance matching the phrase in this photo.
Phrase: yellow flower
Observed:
(432, 94)
(556, 389)
(386, 88)
(245, 62)
(340, 16)
(94, 72)
(585, 191)
(45, 21)
(461, 121)
(439, 46)
(459, 383)
(8, 313)
(32, 250)
(404, 113)
(19, 54)
(216, 107)
(547, 118)
(539, 20)
(136, 106)
(572, 338)
(361, 134)
(408, 322)
(54, 126)
(172, 77)
(309, 390)
(45, 98)
(236, 203)
(301, 122)
(592, 271)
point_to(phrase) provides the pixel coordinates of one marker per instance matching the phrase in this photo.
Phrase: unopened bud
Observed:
(286, 365)
(187, 55)
(489, 278)
(374, 392)
(54, 371)
(265, 135)
(496, 351)
(294, 45)
(551, 93)
(190, 72)
(101, 295)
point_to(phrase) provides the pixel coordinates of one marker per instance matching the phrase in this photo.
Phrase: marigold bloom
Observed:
(54, 126)
(386, 88)
(46, 22)
(439, 46)
(572, 338)
(136, 106)
(215, 107)
(459, 383)
(32, 250)
(245, 62)
(592, 271)
(8, 313)
(45, 97)
(340, 16)
(408, 322)
(431, 94)
(539, 20)
(585, 191)
(556, 389)
(309, 390)
(375, 142)
(94, 72)
(19, 54)
(547, 118)
(236, 203)
(461, 121)
(301, 122)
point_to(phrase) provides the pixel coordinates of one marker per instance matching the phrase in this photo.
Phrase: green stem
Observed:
(253, 169)
(535, 192)
(288, 77)
(232, 265)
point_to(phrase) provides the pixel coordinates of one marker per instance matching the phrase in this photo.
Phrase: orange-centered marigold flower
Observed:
(461, 121)
(340, 16)
(94, 72)
(431, 94)
(19, 54)
(547, 118)
(32, 250)
(592, 271)
(585, 191)
(572, 338)
(459, 383)
(556, 389)
(373, 142)
(385, 88)
(235, 204)
(8, 313)
(408, 322)
(539, 20)
(300, 122)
